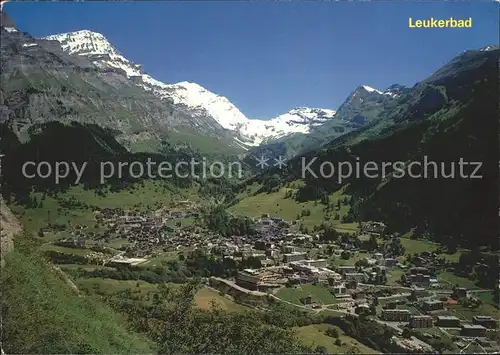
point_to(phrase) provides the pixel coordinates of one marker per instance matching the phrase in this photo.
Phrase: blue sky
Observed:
(269, 57)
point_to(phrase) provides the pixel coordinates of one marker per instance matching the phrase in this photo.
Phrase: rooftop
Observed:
(295, 253)
(472, 326)
(252, 271)
(395, 311)
(132, 261)
(484, 318)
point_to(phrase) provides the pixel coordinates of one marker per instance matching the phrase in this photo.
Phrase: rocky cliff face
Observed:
(9, 226)
(41, 82)
(6, 21)
(81, 76)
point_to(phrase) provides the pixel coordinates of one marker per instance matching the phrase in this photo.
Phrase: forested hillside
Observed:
(450, 116)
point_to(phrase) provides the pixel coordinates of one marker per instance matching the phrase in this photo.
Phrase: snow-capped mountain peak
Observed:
(217, 106)
(97, 48)
(359, 95)
(370, 89)
(199, 102)
(297, 120)
(84, 42)
(312, 113)
(300, 119)
(489, 48)
(392, 91)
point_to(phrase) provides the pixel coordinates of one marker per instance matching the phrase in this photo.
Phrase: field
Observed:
(166, 256)
(414, 311)
(421, 245)
(276, 204)
(205, 297)
(109, 286)
(338, 261)
(487, 308)
(117, 243)
(140, 289)
(143, 196)
(319, 294)
(74, 251)
(48, 246)
(383, 301)
(315, 335)
(347, 227)
(206, 144)
(438, 336)
(50, 317)
(467, 313)
(486, 297)
(87, 267)
(33, 219)
(394, 276)
(453, 279)
(180, 222)
(331, 312)
(417, 245)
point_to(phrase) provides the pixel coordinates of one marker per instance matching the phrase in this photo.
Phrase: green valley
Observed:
(286, 256)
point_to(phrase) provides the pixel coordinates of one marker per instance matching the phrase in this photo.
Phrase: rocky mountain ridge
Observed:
(187, 104)
(195, 99)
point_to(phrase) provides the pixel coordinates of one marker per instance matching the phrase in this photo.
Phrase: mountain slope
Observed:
(198, 101)
(42, 315)
(452, 115)
(92, 82)
(365, 103)
(42, 83)
(297, 120)
(10, 226)
(361, 107)
(191, 98)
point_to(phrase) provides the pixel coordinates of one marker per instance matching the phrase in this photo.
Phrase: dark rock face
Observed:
(42, 83)
(431, 101)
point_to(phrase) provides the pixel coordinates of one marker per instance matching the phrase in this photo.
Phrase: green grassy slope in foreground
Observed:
(315, 334)
(41, 314)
